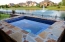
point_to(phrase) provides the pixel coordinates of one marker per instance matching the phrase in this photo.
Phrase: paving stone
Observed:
(15, 28)
(43, 34)
(0, 24)
(24, 31)
(17, 36)
(51, 40)
(39, 39)
(5, 29)
(1, 27)
(9, 32)
(57, 32)
(11, 26)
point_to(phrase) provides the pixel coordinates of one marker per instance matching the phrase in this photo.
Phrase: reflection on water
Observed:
(63, 15)
(36, 12)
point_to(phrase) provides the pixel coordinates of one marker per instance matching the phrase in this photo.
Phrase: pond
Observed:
(45, 13)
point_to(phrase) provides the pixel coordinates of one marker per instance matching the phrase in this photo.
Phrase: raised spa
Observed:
(31, 24)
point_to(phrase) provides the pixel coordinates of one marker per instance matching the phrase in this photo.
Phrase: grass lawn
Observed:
(62, 8)
(3, 16)
(24, 8)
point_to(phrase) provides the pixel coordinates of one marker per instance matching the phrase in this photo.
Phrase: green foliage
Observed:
(60, 3)
(0, 15)
(63, 1)
(2, 6)
(46, 7)
(6, 6)
(3, 16)
(38, 5)
(24, 8)
(58, 6)
(41, 6)
(16, 6)
(62, 8)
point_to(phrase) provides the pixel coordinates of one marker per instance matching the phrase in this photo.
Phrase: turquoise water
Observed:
(31, 26)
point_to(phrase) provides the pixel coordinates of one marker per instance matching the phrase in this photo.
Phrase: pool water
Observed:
(30, 26)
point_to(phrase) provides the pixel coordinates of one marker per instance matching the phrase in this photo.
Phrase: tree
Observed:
(60, 3)
(63, 1)
(38, 5)
(58, 6)
(2, 6)
(6, 6)
(16, 6)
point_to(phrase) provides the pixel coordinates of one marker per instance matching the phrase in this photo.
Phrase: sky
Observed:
(2, 2)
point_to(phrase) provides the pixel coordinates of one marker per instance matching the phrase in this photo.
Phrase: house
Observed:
(22, 4)
(34, 3)
(11, 4)
(31, 3)
(46, 3)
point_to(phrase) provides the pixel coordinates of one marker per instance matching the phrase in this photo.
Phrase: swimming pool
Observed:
(31, 24)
